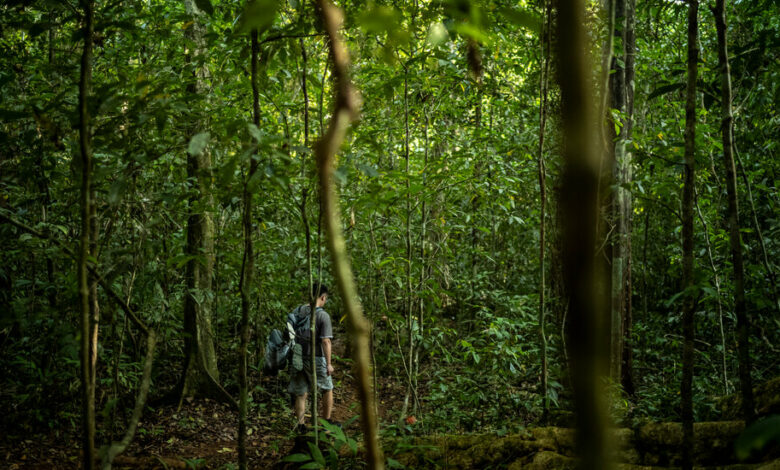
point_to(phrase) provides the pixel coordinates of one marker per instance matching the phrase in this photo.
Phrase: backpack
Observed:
(290, 344)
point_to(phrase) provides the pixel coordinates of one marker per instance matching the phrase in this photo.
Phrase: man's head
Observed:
(319, 292)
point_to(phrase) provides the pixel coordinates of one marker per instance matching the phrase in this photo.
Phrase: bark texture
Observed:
(85, 141)
(200, 376)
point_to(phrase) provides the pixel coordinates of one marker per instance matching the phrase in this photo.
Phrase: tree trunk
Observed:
(619, 131)
(617, 144)
(629, 48)
(689, 302)
(543, 83)
(200, 376)
(579, 202)
(345, 111)
(87, 384)
(716, 279)
(743, 321)
(247, 269)
(411, 392)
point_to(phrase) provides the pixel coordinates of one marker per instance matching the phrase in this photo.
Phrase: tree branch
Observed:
(346, 104)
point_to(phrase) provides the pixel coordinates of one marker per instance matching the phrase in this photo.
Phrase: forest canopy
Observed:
(531, 215)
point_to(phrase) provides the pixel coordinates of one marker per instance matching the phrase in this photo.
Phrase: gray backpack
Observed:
(291, 344)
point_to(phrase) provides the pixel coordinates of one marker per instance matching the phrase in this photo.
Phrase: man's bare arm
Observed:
(326, 347)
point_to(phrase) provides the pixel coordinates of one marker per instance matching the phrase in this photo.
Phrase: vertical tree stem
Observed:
(85, 85)
(689, 302)
(543, 81)
(579, 201)
(346, 104)
(247, 268)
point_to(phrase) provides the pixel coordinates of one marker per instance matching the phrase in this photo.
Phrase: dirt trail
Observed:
(202, 434)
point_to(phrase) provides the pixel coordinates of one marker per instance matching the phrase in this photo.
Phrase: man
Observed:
(300, 381)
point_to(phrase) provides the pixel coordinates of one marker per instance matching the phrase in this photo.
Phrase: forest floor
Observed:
(202, 433)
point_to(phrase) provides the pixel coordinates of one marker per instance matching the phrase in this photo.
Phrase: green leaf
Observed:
(255, 132)
(259, 15)
(296, 458)
(116, 191)
(198, 143)
(316, 454)
(757, 437)
(352, 445)
(205, 6)
(437, 34)
(394, 464)
(524, 18)
(473, 32)
(311, 465)
(369, 170)
(664, 89)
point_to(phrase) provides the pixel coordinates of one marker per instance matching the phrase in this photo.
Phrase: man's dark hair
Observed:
(318, 287)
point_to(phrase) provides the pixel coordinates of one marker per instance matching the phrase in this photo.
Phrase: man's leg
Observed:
(327, 404)
(300, 407)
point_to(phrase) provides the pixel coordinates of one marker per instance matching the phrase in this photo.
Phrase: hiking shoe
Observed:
(301, 429)
(297, 357)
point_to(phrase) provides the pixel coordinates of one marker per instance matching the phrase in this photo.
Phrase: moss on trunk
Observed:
(767, 399)
(651, 446)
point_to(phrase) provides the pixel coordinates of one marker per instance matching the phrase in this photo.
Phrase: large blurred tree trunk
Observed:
(578, 205)
(200, 374)
(727, 126)
(689, 302)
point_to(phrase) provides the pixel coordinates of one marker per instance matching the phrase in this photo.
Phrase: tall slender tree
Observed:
(727, 137)
(247, 264)
(543, 88)
(617, 146)
(85, 144)
(346, 110)
(689, 301)
(200, 374)
(629, 54)
(619, 130)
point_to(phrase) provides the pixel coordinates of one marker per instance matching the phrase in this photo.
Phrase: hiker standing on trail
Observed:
(300, 368)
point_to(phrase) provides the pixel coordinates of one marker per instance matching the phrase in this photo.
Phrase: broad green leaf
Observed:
(255, 132)
(757, 437)
(664, 89)
(198, 143)
(316, 454)
(296, 458)
(522, 17)
(391, 463)
(437, 34)
(259, 15)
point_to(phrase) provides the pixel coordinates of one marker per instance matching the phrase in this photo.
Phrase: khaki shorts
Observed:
(300, 382)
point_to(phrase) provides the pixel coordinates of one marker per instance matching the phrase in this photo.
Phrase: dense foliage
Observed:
(439, 197)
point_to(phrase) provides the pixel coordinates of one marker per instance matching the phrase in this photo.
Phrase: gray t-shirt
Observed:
(322, 323)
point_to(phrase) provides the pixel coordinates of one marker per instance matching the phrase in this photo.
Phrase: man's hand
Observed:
(330, 369)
